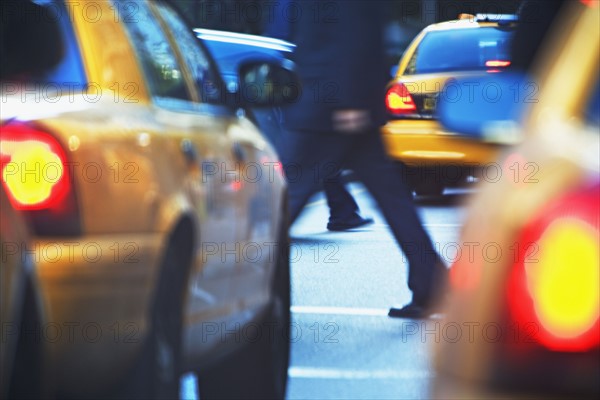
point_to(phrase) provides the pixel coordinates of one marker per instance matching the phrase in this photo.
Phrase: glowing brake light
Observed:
(555, 281)
(591, 3)
(497, 63)
(565, 284)
(398, 100)
(34, 168)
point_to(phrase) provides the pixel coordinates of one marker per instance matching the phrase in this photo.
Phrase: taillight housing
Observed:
(398, 100)
(548, 340)
(37, 178)
(555, 280)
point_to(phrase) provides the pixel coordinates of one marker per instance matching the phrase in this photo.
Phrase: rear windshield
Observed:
(27, 40)
(70, 70)
(460, 50)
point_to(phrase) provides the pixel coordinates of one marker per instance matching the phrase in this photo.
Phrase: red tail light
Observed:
(555, 280)
(497, 63)
(36, 177)
(34, 168)
(398, 100)
(591, 3)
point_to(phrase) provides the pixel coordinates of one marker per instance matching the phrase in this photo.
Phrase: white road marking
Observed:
(353, 374)
(380, 225)
(354, 311)
(443, 225)
(339, 310)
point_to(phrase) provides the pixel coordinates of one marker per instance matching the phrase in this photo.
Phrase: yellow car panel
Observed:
(111, 67)
(82, 319)
(422, 143)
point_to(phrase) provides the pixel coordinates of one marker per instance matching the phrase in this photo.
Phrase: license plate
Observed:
(429, 103)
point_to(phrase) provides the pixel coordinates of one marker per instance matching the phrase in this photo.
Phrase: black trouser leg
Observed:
(342, 206)
(386, 181)
(308, 161)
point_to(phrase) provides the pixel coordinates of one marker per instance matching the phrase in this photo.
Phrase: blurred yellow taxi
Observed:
(157, 211)
(438, 158)
(524, 311)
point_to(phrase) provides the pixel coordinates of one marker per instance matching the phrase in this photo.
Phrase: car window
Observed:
(205, 76)
(154, 53)
(68, 73)
(460, 50)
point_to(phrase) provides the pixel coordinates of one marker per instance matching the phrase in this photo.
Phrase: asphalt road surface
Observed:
(343, 344)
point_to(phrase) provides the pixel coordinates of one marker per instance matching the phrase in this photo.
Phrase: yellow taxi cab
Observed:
(157, 211)
(524, 310)
(20, 357)
(436, 157)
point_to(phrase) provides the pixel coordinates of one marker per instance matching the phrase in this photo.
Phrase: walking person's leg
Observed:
(387, 183)
(343, 210)
(308, 162)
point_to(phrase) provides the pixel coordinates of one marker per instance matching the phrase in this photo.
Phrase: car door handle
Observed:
(188, 150)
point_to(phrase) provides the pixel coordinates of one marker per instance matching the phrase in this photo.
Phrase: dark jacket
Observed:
(340, 61)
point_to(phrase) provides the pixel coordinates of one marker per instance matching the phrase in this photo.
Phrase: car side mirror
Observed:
(267, 84)
(489, 107)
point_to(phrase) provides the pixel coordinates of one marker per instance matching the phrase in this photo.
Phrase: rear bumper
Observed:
(96, 294)
(423, 143)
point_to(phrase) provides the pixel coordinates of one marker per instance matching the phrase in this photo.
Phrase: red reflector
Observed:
(398, 100)
(590, 3)
(34, 167)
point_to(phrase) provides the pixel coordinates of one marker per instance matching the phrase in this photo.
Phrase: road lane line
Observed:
(353, 374)
(384, 225)
(442, 225)
(339, 310)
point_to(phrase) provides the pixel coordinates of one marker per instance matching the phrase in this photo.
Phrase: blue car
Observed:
(230, 50)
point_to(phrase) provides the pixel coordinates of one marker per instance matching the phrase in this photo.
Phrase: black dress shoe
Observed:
(426, 306)
(340, 226)
(413, 310)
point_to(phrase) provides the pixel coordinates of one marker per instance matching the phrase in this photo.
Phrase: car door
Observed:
(246, 174)
(199, 132)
